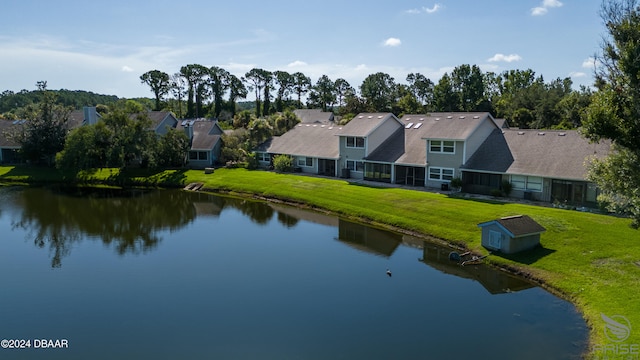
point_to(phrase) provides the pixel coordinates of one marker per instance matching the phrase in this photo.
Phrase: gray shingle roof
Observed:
(205, 136)
(310, 140)
(518, 225)
(363, 124)
(546, 153)
(411, 147)
(7, 126)
(314, 116)
(451, 126)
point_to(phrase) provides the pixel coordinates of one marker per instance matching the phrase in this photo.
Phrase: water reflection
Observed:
(125, 219)
(494, 281)
(129, 220)
(368, 239)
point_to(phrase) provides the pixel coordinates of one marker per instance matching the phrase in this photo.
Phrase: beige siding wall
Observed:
(445, 161)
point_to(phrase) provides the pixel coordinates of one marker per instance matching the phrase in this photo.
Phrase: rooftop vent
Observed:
(360, 117)
(540, 134)
(409, 125)
(449, 117)
(380, 116)
(421, 119)
(437, 119)
(462, 117)
(476, 117)
(370, 117)
(520, 132)
(562, 134)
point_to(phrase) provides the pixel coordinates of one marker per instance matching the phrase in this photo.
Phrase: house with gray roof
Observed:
(314, 148)
(8, 146)
(360, 139)
(205, 139)
(430, 150)
(541, 165)
(314, 116)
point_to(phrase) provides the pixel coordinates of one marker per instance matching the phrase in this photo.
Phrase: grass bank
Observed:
(592, 260)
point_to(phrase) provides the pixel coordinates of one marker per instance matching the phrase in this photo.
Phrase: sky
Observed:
(104, 46)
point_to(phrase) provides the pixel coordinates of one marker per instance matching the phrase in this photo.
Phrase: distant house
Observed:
(314, 148)
(162, 121)
(511, 234)
(314, 116)
(205, 141)
(9, 147)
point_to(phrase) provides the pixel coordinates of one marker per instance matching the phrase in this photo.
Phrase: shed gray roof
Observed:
(363, 124)
(545, 153)
(518, 225)
(312, 140)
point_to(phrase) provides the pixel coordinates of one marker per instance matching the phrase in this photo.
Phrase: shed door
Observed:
(495, 239)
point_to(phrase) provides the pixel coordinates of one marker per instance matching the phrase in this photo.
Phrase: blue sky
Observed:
(104, 47)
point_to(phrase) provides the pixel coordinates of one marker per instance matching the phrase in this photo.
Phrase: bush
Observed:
(496, 192)
(456, 183)
(283, 163)
(506, 188)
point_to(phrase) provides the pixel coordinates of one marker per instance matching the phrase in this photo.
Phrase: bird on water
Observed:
(389, 272)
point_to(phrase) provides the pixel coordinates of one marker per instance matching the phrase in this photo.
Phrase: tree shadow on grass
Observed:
(527, 257)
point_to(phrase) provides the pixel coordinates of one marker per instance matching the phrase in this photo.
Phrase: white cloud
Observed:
(577, 74)
(435, 8)
(392, 42)
(545, 6)
(589, 63)
(127, 69)
(505, 58)
(297, 63)
(551, 3)
(539, 11)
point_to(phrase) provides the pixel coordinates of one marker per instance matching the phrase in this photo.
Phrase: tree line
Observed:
(525, 99)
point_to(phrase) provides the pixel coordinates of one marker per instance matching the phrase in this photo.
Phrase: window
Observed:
(198, 155)
(305, 161)
(355, 165)
(442, 174)
(442, 146)
(355, 142)
(531, 183)
(264, 157)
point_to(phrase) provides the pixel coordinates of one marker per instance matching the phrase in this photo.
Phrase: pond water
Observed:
(177, 275)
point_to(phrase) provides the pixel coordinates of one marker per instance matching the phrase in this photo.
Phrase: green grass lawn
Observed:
(590, 259)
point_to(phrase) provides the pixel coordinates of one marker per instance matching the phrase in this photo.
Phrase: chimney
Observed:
(90, 115)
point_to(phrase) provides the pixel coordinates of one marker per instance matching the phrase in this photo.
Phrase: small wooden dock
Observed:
(194, 186)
